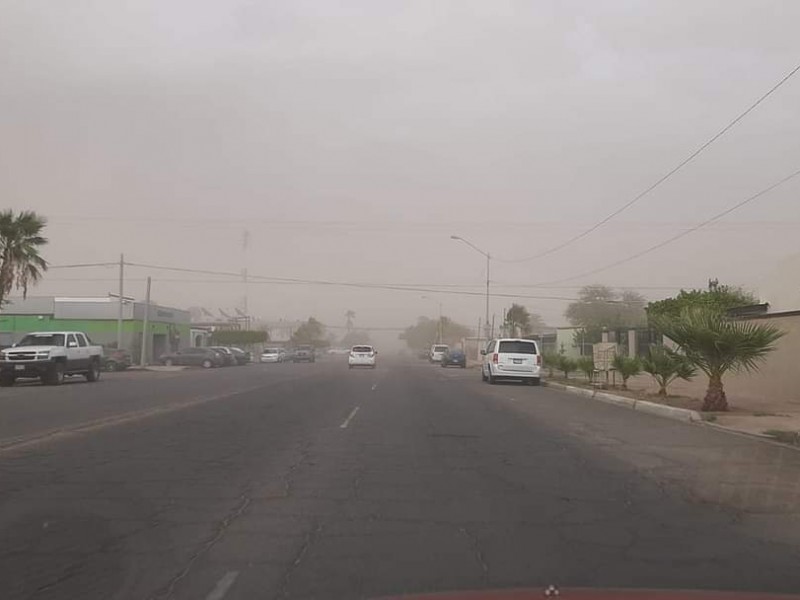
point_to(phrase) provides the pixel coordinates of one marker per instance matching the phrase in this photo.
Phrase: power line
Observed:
(716, 217)
(84, 265)
(350, 284)
(663, 178)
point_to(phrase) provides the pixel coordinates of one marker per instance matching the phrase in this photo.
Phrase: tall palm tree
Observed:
(20, 242)
(716, 344)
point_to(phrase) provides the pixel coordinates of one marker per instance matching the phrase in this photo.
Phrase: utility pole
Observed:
(145, 326)
(488, 261)
(441, 325)
(121, 291)
(488, 256)
(245, 248)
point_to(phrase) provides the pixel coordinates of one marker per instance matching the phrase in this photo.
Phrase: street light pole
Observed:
(486, 326)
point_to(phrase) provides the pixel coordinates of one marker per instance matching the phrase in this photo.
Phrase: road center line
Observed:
(223, 585)
(349, 418)
(67, 431)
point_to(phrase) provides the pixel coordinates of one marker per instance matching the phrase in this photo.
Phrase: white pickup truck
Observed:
(51, 356)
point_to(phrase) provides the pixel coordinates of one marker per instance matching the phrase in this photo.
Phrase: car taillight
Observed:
(495, 357)
(539, 359)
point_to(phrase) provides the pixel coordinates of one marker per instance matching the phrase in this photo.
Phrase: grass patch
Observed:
(782, 435)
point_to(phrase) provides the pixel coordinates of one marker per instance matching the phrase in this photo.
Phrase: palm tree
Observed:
(20, 241)
(716, 344)
(627, 367)
(665, 366)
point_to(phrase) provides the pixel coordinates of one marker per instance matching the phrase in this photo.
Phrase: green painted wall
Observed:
(101, 331)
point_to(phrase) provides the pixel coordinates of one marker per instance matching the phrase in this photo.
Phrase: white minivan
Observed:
(437, 352)
(511, 358)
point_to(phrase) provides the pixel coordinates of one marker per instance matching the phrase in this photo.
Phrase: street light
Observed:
(488, 261)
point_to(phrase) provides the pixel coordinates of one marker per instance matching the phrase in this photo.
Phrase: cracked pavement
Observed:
(265, 488)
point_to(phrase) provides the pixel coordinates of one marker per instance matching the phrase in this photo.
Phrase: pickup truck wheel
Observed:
(112, 366)
(93, 374)
(7, 380)
(55, 376)
(207, 364)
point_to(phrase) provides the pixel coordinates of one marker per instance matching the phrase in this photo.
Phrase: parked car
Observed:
(304, 354)
(511, 358)
(116, 360)
(51, 356)
(437, 352)
(194, 357)
(273, 355)
(455, 358)
(362, 356)
(242, 357)
(227, 354)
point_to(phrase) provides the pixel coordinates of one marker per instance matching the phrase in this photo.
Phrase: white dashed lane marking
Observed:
(223, 585)
(349, 418)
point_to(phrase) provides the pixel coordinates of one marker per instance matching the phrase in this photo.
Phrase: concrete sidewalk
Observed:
(775, 419)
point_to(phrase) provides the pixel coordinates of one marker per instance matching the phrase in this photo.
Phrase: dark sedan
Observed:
(227, 354)
(116, 360)
(193, 357)
(242, 357)
(454, 358)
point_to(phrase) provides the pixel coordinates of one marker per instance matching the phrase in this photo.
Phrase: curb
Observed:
(652, 408)
(669, 412)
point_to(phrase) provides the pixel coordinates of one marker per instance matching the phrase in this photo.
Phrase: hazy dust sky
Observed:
(351, 139)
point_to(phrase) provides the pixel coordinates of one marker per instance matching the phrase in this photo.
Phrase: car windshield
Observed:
(517, 347)
(533, 269)
(39, 339)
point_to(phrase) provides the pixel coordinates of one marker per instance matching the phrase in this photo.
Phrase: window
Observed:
(517, 347)
(71, 341)
(362, 348)
(81, 340)
(490, 347)
(42, 339)
(440, 348)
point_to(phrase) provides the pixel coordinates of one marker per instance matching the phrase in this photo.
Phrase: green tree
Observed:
(665, 366)
(627, 367)
(310, 333)
(550, 362)
(600, 307)
(518, 318)
(20, 244)
(716, 344)
(425, 333)
(355, 337)
(586, 366)
(719, 298)
(566, 365)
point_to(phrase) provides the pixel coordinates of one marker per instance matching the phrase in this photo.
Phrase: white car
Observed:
(437, 352)
(273, 355)
(362, 356)
(511, 358)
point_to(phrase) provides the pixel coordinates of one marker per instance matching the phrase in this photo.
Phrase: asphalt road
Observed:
(314, 481)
